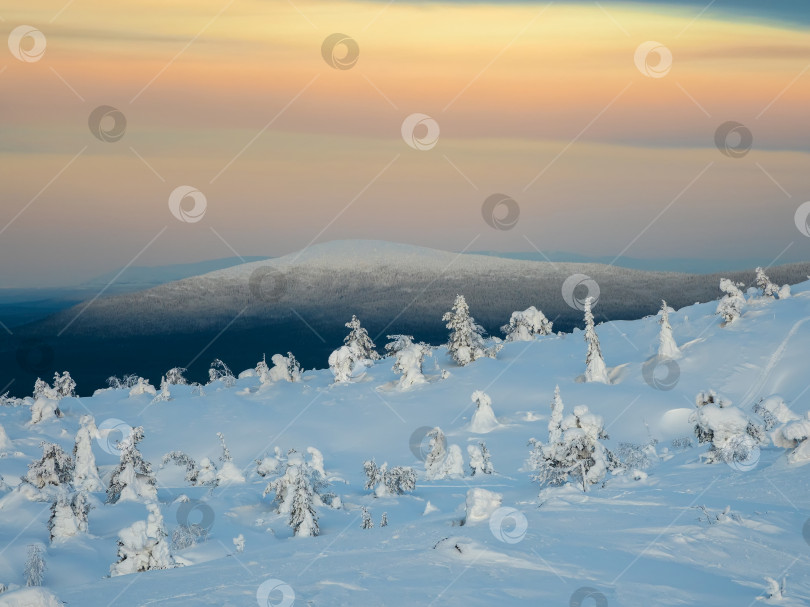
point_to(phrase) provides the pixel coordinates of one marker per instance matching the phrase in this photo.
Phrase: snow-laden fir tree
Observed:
(384, 481)
(46, 402)
(207, 473)
(141, 386)
(143, 546)
(525, 325)
(574, 449)
(64, 385)
(303, 517)
(165, 393)
(35, 565)
(55, 468)
(769, 289)
(174, 376)
(367, 523)
(68, 515)
(667, 348)
(732, 303)
(132, 479)
(595, 369)
(443, 460)
(410, 357)
(347, 363)
(359, 341)
(466, 342)
(219, 371)
(384, 520)
(483, 419)
(731, 434)
(479, 459)
(85, 473)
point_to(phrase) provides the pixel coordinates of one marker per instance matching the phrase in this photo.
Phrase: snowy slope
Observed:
(635, 542)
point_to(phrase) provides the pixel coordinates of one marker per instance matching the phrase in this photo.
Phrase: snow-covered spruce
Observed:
(769, 289)
(54, 468)
(142, 386)
(68, 515)
(143, 546)
(574, 449)
(300, 489)
(525, 325)
(731, 305)
(466, 342)
(351, 359)
(285, 368)
(35, 565)
(85, 473)
(483, 419)
(595, 369)
(46, 402)
(206, 473)
(366, 523)
(384, 481)
(795, 435)
(221, 372)
(174, 376)
(185, 536)
(667, 347)
(359, 341)
(731, 434)
(410, 357)
(165, 394)
(443, 460)
(132, 478)
(479, 459)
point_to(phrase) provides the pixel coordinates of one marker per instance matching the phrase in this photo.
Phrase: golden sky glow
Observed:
(542, 103)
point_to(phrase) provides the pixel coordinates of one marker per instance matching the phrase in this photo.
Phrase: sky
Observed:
(605, 146)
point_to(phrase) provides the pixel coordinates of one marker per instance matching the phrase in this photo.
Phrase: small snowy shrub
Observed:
(731, 305)
(732, 436)
(35, 565)
(443, 460)
(398, 480)
(409, 359)
(219, 371)
(142, 546)
(483, 420)
(526, 325)
(132, 478)
(479, 459)
(769, 289)
(55, 468)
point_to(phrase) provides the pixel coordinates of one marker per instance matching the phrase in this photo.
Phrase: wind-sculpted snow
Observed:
(661, 519)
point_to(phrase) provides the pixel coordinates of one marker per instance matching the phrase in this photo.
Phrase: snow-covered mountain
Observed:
(665, 528)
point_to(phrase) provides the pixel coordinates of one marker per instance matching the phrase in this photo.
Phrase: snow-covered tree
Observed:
(483, 419)
(359, 341)
(219, 371)
(125, 383)
(68, 515)
(366, 523)
(174, 376)
(285, 368)
(85, 473)
(347, 363)
(55, 468)
(795, 435)
(64, 385)
(132, 479)
(574, 448)
(239, 543)
(384, 520)
(409, 359)
(303, 517)
(731, 305)
(479, 459)
(526, 325)
(667, 348)
(384, 481)
(443, 460)
(141, 386)
(228, 472)
(769, 289)
(466, 342)
(207, 473)
(733, 437)
(46, 402)
(595, 369)
(185, 536)
(165, 394)
(185, 461)
(143, 546)
(35, 565)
